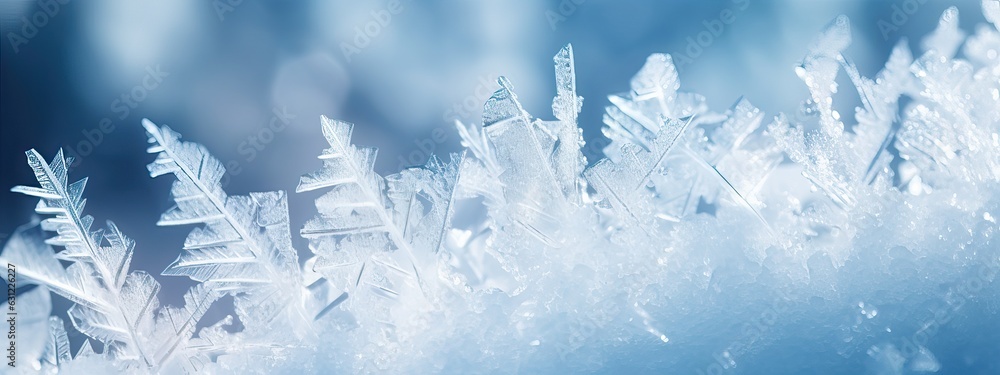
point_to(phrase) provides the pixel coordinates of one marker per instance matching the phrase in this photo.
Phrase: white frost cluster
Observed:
(703, 239)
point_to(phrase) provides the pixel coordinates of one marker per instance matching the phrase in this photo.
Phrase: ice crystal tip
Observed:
(991, 9)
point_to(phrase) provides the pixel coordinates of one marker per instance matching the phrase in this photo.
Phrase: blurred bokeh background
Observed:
(249, 79)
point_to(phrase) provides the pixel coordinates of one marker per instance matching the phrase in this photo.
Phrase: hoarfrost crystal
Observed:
(704, 238)
(113, 306)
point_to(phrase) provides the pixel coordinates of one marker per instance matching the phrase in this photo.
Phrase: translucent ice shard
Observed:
(636, 117)
(469, 242)
(644, 126)
(627, 184)
(680, 165)
(537, 155)
(736, 156)
(567, 160)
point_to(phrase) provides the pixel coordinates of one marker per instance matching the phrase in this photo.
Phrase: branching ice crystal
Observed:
(244, 248)
(514, 256)
(375, 238)
(113, 306)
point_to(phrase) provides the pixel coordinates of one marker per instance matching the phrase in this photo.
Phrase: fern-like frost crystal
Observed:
(112, 306)
(699, 241)
(375, 237)
(243, 246)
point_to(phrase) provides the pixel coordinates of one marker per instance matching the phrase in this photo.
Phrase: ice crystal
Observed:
(703, 237)
(669, 154)
(243, 248)
(375, 237)
(113, 306)
(538, 155)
